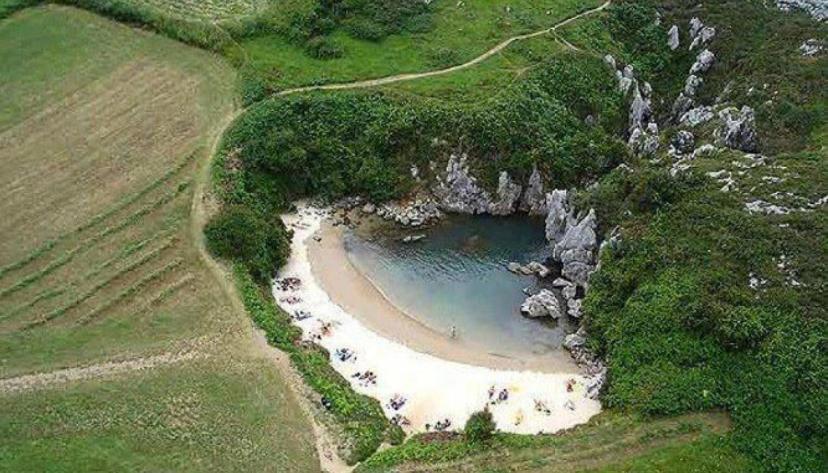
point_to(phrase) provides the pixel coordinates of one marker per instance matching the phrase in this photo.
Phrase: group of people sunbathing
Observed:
(397, 402)
(440, 426)
(367, 378)
(502, 396)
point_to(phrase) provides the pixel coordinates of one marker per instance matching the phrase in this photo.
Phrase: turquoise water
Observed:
(457, 276)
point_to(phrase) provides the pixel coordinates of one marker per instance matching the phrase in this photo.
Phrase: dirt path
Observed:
(45, 380)
(420, 75)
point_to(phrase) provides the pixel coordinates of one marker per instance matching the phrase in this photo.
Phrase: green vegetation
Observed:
(671, 309)
(609, 442)
(103, 130)
(479, 427)
(239, 233)
(361, 417)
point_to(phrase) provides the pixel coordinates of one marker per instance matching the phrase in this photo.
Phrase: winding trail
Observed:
(438, 72)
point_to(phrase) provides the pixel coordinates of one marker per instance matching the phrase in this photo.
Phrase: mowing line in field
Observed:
(53, 292)
(163, 294)
(132, 290)
(91, 242)
(96, 219)
(97, 287)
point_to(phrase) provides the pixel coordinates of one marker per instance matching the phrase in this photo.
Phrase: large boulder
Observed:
(508, 194)
(695, 26)
(534, 199)
(738, 130)
(458, 191)
(816, 8)
(644, 142)
(640, 109)
(542, 304)
(703, 37)
(697, 116)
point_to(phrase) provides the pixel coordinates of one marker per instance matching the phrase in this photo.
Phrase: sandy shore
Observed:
(439, 378)
(351, 290)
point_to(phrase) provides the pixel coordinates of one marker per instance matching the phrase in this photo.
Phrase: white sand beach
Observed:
(438, 378)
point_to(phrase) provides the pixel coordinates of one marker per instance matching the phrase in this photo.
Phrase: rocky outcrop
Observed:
(508, 194)
(695, 26)
(534, 198)
(559, 216)
(816, 8)
(686, 98)
(644, 142)
(412, 214)
(673, 38)
(542, 304)
(683, 142)
(575, 250)
(704, 61)
(811, 47)
(458, 191)
(704, 36)
(595, 369)
(697, 116)
(640, 108)
(738, 130)
(533, 268)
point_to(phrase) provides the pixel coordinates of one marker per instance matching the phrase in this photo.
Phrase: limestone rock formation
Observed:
(508, 194)
(457, 191)
(534, 198)
(703, 37)
(575, 250)
(559, 216)
(542, 304)
(673, 38)
(816, 8)
(811, 47)
(738, 129)
(704, 61)
(683, 142)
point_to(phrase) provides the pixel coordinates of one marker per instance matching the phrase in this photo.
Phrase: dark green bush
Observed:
(323, 47)
(480, 427)
(238, 233)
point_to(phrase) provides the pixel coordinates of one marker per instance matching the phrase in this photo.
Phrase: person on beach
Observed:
(453, 331)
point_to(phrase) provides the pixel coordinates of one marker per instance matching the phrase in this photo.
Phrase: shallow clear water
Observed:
(457, 276)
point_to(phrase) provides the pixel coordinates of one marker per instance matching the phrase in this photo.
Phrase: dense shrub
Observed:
(365, 143)
(480, 427)
(323, 47)
(260, 244)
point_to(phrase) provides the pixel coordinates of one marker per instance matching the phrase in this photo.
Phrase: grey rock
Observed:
(704, 151)
(692, 84)
(561, 282)
(644, 142)
(704, 36)
(704, 61)
(542, 304)
(508, 194)
(514, 267)
(576, 248)
(816, 8)
(640, 110)
(697, 116)
(537, 268)
(683, 142)
(681, 106)
(610, 61)
(738, 130)
(369, 208)
(458, 190)
(534, 199)
(695, 26)
(673, 38)
(811, 47)
(559, 216)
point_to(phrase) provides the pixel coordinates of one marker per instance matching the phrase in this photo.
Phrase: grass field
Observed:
(104, 132)
(610, 442)
(460, 31)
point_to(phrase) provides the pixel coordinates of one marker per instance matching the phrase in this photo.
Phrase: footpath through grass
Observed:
(102, 131)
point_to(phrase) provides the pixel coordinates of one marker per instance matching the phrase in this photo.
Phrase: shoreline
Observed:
(355, 292)
(419, 391)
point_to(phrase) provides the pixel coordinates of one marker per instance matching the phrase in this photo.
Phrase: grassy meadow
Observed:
(105, 131)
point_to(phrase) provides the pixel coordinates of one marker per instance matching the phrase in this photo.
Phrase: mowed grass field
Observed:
(119, 349)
